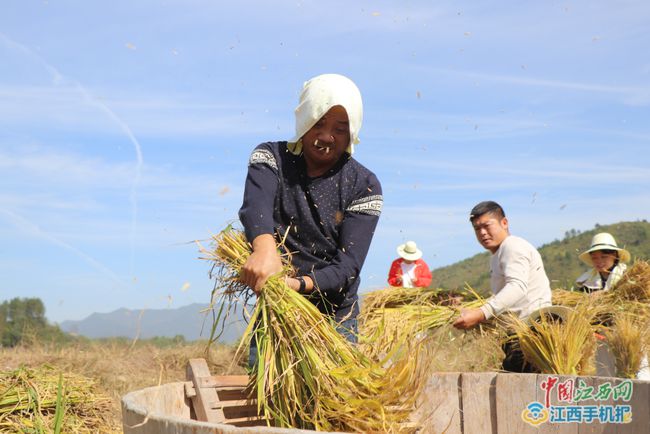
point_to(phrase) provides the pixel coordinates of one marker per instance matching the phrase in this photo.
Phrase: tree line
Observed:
(22, 320)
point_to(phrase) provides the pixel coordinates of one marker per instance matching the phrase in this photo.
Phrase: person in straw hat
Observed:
(311, 194)
(409, 270)
(517, 278)
(607, 262)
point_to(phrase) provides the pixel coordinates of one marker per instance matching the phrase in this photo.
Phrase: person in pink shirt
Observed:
(409, 270)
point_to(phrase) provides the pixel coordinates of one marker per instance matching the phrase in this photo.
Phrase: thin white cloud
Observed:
(21, 200)
(37, 165)
(558, 170)
(59, 79)
(33, 230)
(67, 107)
(633, 95)
(426, 126)
(84, 199)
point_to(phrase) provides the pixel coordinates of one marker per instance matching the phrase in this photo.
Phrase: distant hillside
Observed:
(187, 321)
(560, 257)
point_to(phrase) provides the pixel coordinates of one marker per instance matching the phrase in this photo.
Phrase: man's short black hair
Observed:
(486, 207)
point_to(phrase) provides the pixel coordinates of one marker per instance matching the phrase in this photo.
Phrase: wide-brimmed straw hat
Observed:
(604, 241)
(550, 313)
(409, 251)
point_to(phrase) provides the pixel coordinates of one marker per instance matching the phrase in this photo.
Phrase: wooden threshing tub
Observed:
(453, 403)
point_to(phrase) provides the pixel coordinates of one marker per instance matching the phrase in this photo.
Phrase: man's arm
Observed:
(515, 265)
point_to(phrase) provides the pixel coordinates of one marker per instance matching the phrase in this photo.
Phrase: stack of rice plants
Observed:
(563, 297)
(631, 295)
(599, 304)
(399, 315)
(635, 283)
(555, 347)
(399, 296)
(308, 375)
(628, 341)
(43, 400)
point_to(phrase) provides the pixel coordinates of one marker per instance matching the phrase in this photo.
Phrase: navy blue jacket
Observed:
(331, 219)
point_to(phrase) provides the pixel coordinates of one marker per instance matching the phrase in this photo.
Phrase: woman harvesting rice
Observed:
(311, 194)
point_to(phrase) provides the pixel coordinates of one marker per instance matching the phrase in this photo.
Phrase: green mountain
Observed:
(560, 257)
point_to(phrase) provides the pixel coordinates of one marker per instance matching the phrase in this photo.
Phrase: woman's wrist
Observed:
(302, 284)
(302, 287)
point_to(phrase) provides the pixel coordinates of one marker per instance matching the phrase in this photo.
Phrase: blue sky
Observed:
(125, 128)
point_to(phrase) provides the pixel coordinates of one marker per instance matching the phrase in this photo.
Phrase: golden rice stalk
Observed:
(635, 283)
(558, 348)
(628, 341)
(601, 305)
(398, 296)
(42, 399)
(562, 297)
(638, 309)
(308, 375)
(385, 328)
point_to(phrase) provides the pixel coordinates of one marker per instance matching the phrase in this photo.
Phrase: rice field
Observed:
(307, 374)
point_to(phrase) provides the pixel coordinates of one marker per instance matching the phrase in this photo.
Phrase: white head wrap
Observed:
(318, 96)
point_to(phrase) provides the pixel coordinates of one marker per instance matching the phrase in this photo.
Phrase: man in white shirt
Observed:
(517, 278)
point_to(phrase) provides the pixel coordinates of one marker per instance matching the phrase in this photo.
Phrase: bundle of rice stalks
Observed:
(628, 341)
(399, 296)
(635, 283)
(601, 305)
(45, 401)
(562, 297)
(384, 329)
(556, 347)
(398, 315)
(308, 375)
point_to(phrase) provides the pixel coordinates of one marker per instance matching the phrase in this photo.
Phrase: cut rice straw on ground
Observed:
(555, 347)
(44, 401)
(308, 375)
